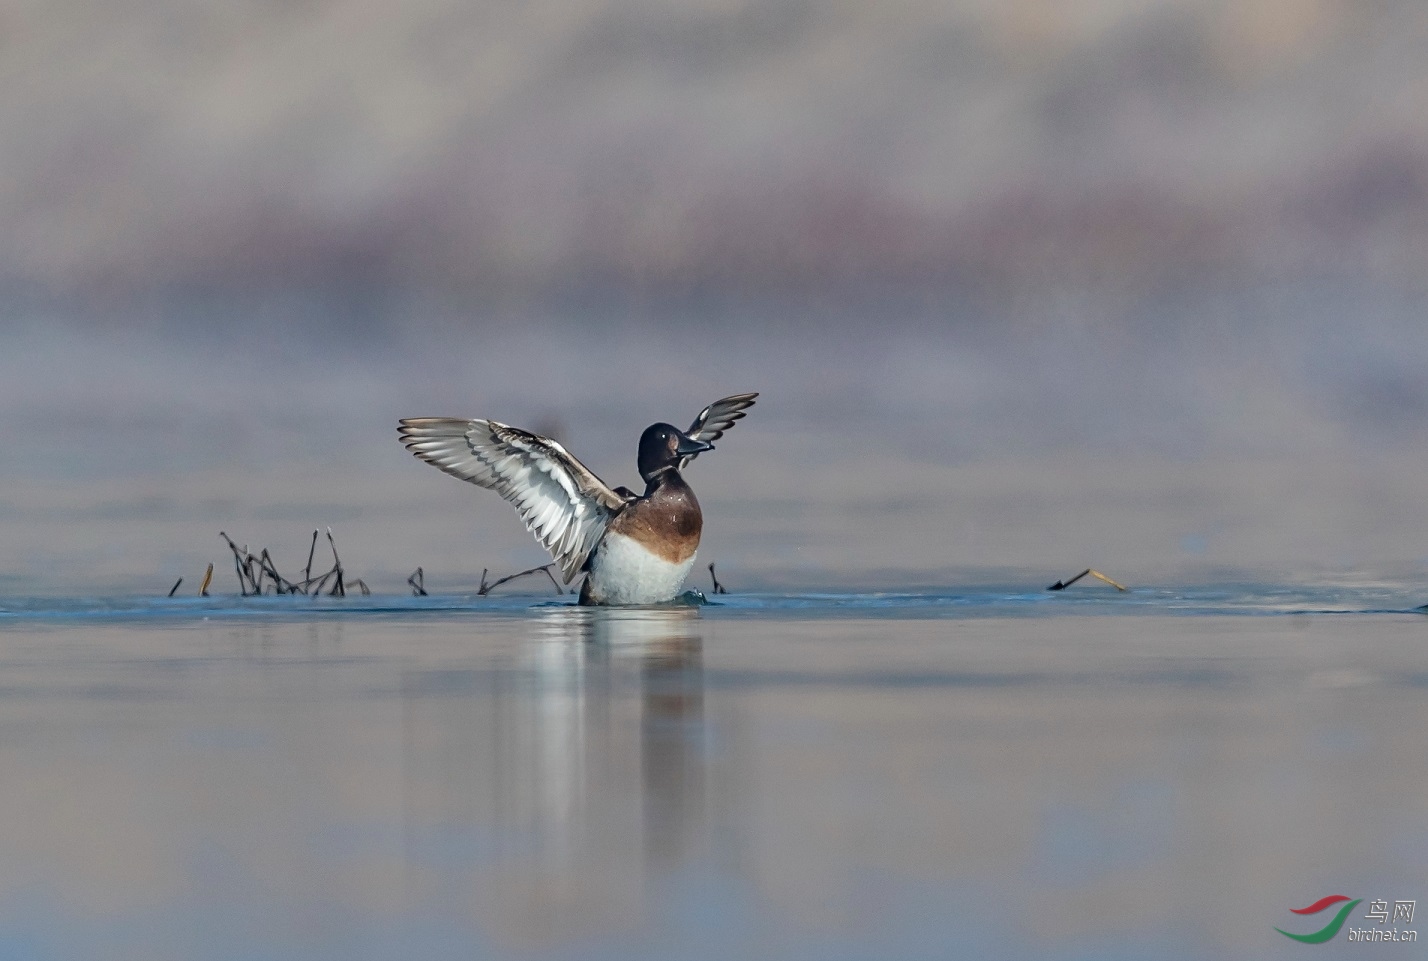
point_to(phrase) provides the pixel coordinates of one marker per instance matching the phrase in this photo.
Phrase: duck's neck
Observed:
(664, 478)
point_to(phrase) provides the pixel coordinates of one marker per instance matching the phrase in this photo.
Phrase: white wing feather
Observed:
(560, 500)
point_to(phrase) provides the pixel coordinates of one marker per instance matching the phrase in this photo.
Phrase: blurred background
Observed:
(1026, 285)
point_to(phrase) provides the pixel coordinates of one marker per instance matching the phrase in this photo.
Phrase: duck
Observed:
(634, 549)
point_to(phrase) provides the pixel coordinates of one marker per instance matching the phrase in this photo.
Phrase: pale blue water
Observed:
(950, 773)
(1212, 599)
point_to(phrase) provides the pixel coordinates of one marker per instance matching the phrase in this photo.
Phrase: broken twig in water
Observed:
(718, 588)
(485, 588)
(339, 589)
(282, 584)
(418, 581)
(253, 570)
(1099, 575)
(1062, 585)
(239, 565)
(307, 571)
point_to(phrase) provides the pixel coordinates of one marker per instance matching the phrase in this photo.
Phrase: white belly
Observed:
(623, 572)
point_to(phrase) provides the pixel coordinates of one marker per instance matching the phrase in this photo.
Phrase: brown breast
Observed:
(667, 522)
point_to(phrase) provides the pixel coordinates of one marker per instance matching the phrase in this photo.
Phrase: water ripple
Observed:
(948, 603)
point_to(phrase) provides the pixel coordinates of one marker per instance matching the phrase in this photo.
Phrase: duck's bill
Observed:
(688, 445)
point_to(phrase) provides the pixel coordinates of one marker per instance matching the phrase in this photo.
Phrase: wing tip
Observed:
(419, 429)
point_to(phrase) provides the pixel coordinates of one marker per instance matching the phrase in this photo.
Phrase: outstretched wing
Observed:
(562, 503)
(718, 417)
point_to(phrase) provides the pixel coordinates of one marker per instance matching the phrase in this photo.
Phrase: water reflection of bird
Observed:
(653, 658)
(635, 549)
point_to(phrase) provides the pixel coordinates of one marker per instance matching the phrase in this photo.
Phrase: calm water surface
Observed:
(983, 774)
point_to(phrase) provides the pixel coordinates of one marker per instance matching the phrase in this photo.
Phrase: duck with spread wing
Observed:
(633, 548)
